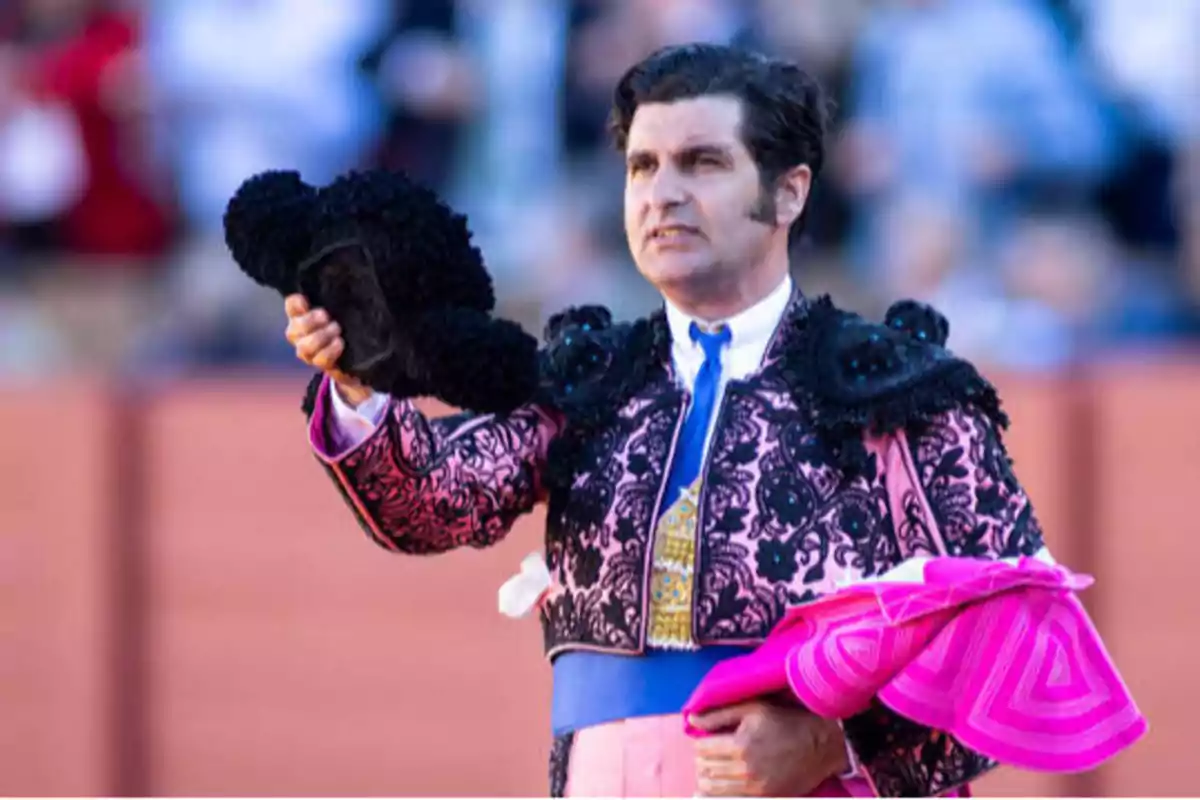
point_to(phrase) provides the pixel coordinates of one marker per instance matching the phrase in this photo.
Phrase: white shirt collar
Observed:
(751, 328)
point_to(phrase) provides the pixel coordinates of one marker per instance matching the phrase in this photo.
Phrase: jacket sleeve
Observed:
(425, 486)
(954, 493)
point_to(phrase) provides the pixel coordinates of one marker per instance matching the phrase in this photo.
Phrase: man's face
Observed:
(693, 199)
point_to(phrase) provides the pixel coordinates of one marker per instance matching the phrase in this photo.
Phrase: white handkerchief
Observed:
(520, 594)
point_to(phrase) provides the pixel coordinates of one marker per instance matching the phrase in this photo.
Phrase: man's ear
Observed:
(791, 194)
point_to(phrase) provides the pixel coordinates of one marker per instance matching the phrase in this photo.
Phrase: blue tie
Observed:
(689, 452)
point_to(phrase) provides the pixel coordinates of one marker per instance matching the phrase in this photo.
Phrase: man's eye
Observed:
(703, 162)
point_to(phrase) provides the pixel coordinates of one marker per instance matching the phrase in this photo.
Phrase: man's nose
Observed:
(667, 189)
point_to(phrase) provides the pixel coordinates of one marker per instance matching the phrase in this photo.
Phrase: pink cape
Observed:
(1000, 655)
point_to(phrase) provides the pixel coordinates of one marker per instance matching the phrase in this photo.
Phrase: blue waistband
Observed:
(595, 688)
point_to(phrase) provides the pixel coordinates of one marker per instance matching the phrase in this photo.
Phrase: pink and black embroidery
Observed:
(968, 480)
(424, 486)
(904, 759)
(777, 516)
(621, 471)
(793, 499)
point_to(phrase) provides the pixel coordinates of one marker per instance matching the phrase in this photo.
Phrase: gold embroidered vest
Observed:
(672, 573)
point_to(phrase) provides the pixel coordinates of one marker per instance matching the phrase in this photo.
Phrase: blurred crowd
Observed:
(1030, 166)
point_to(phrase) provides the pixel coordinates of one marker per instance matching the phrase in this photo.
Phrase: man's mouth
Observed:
(670, 233)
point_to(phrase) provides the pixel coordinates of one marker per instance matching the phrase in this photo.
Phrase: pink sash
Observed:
(1000, 655)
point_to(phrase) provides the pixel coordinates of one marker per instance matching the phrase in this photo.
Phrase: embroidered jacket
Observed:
(854, 447)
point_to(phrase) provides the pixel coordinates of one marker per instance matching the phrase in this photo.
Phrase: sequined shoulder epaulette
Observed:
(865, 377)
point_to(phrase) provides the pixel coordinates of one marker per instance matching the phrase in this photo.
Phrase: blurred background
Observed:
(186, 608)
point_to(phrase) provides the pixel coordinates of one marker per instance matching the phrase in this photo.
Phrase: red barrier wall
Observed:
(291, 655)
(56, 592)
(187, 607)
(1148, 546)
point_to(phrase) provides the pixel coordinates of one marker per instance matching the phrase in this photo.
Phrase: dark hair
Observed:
(785, 112)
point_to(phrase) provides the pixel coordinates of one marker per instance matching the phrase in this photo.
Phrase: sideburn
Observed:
(764, 209)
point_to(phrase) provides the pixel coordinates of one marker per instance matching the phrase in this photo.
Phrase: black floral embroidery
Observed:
(905, 759)
(776, 560)
(606, 610)
(976, 500)
(431, 486)
(855, 522)
(914, 536)
(588, 562)
(560, 763)
(788, 498)
(769, 534)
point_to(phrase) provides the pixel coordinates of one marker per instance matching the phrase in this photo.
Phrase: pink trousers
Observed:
(650, 757)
